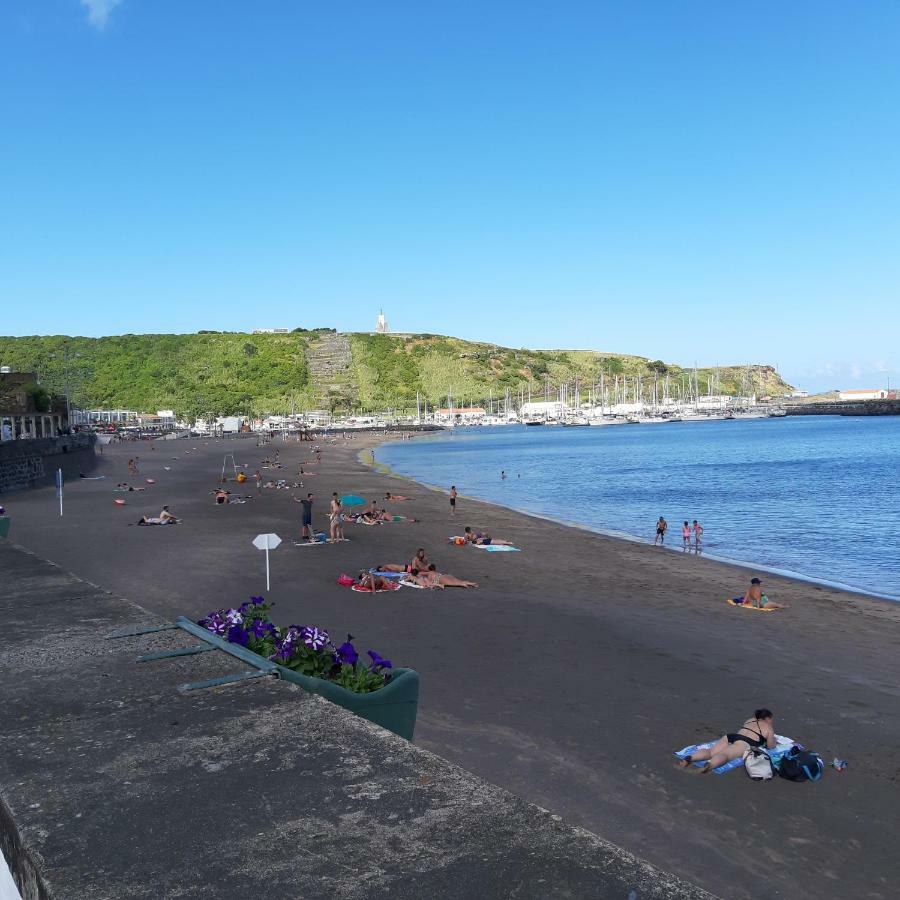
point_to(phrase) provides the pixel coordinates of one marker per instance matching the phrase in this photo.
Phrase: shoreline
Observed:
(383, 468)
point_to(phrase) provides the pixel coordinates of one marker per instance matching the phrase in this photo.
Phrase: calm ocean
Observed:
(816, 496)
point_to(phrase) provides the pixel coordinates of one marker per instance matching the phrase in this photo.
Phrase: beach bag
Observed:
(758, 764)
(800, 765)
(345, 580)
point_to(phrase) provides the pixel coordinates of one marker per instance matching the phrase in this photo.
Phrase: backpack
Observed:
(800, 765)
(758, 764)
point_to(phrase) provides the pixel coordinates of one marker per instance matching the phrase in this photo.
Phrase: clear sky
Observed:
(694, 181)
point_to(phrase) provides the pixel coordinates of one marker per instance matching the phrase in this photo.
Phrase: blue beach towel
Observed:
(387, 574)
(781, 747)
(497, 548)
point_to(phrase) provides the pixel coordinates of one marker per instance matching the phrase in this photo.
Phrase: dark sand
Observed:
(568, 677)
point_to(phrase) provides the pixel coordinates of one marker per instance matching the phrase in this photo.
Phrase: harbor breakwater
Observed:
(33, 463)
(845, 408)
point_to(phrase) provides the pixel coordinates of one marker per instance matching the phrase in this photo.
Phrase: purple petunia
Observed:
(346, 654)
(378, 661)
(314, 638)
(237, 635)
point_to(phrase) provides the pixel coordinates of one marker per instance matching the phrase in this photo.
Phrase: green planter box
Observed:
(393, 707)
(4, 526)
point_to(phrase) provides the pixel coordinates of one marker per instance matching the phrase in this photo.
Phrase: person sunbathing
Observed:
(419, 561)
(756, 597)
(431, 578)
(385, 516)
(127, 487)
(755, 732)
(390, 496)
(166, 518)
(373, 582)
(221, 496)
(391, 567)
(484, 538)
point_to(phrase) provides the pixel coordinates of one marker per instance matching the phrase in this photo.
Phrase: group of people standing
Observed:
(691, 535)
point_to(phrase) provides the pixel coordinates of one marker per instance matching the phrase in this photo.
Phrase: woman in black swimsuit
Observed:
(755, 732)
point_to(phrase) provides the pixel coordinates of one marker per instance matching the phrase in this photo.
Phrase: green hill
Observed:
(228, 373)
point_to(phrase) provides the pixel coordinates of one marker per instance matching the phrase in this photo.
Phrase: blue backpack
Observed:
(800, 765)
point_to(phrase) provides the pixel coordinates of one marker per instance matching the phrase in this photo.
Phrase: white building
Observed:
(381, 326)
(542, 409)
(271, 331)
(863, 395)
(460, 413)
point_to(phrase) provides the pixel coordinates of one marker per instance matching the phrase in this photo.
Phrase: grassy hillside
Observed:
(390, 369)
(228, 373)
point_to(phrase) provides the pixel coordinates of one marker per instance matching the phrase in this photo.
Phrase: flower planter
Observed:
(393, 706)
(4, 526)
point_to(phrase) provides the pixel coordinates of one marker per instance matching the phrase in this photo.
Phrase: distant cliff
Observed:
(231, 373)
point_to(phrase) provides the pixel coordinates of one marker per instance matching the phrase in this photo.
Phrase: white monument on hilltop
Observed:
(382, 326)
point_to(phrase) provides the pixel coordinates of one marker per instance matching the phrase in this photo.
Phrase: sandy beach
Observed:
(568, 677)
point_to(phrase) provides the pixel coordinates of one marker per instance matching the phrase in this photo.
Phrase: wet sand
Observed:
(569, 676)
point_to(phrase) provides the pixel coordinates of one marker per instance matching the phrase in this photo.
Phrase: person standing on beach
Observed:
(452, 499)
(686, 536)
(698, 537)
(258, 479)
(661, 527)
(306, 517)
(336, 532)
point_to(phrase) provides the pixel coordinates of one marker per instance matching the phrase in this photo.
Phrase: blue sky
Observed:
(695, 181)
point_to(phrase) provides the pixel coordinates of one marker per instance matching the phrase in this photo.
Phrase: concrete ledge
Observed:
(116, 785)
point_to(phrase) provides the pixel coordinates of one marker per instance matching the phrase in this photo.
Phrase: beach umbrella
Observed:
(352, 500)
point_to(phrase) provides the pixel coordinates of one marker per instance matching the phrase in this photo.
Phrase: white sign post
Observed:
(266, 542)
(59, 489)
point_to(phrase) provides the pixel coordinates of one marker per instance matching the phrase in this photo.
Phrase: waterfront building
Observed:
(863, 395)
(27, 410)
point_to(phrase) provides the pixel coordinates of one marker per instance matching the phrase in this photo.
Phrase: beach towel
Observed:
(92, 477)
(364, 590)
(497, 548)
(387, 574)
(735, 602)
(783, 744)
(412, 584)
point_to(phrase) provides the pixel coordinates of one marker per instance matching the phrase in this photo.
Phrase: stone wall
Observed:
(845, 408)
(28, 464)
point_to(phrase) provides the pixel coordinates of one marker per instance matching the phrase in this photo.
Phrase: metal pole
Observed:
(267, 565)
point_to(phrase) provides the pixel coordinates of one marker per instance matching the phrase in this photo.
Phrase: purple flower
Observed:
(346, 654)
(214, 623)
(233, 617)
(378, 661)
(260, 629)
(314, 638)
(257, 601)
(237, 635)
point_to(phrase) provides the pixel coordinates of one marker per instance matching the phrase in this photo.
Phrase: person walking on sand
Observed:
(306, 517)
(698, 537)
(661, 527)
(452, 499)
(258, 479)
(686, 537)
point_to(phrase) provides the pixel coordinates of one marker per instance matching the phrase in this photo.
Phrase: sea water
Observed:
(815, 496)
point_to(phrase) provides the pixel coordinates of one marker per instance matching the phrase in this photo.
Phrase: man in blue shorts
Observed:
(306, 517)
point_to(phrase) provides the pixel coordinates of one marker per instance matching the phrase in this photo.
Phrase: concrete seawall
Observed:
(33, 463)
(116, 783)
(845, 408)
